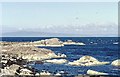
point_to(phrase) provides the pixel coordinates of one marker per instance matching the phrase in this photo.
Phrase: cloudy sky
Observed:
(64, 18)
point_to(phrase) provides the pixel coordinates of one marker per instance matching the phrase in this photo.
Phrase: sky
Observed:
(79, 18)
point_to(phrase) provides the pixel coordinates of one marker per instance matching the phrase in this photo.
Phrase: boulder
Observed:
(56, 61)
(116, 62)
(70, 42)
(6, 71)
(87, 61)
(59, 55)
(10, 70)
(45, 73)
(92, 72)
(14, 67)
(25, 71)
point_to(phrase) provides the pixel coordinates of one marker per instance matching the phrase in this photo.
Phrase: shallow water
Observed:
(102, 48)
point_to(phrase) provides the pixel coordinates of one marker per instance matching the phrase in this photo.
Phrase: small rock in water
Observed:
(87, 61)
(57, 61)
(92, 72)
(116, 62)
(45, 73)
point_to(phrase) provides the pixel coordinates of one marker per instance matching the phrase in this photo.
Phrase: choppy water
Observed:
(102, 48)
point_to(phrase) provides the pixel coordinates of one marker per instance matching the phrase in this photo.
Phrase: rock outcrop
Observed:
(15, 53)
(92, 72)
(70, 42)
(116, 62)
(56, 61)
(10, 70)
(25, 71)
(45, 73)
(29, 53)
(54, 42)
(87, 61)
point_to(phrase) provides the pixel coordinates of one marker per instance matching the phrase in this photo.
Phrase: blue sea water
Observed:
(102, 48)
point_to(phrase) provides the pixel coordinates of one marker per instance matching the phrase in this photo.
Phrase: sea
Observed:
(101, 48)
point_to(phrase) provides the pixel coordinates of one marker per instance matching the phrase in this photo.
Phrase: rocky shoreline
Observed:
(15, 57)
(18, 54)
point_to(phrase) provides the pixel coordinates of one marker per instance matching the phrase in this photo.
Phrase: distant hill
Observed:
(36, 34)
(50, 34)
